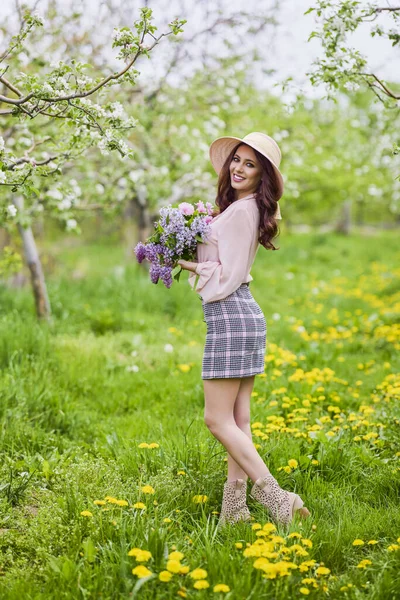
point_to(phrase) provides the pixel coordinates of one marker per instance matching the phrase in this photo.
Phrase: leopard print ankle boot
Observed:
(281, 504)
(234, 507)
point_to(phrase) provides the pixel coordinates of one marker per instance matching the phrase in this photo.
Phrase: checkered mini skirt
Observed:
(236, 336)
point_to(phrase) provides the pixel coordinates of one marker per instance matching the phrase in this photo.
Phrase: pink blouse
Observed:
(225, 260)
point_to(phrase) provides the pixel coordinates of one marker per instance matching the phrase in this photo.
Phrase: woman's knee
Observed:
(242, 420)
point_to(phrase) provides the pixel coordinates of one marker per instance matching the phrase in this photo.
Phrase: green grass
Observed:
(80, 394)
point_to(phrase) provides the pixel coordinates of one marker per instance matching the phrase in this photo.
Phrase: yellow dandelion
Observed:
(372, 542)
(167, 520)
(139, 505)
(176, 555)
(200, 499)
(143, 556)
(306, 542)
(358, 542)
(393, 547)
(173, 566)
(184, 368)
(198, 574)
(287, 469)
(184, 569)
(256, 526)
(269, 527)
(293, 463)
(154, 445)
(165, 576)
(181, 473)
(304, 590)
(221, 587)
(148, 489)
(182, 593)
(99, 502)
(141, 571)
(238, 545)
(294, 535)
(364, 563)
(143, 445)
(322, 571)
(315, 462)
(201, 584)
(122, 503)
(86, 513)
(134, 551)
(111, 499)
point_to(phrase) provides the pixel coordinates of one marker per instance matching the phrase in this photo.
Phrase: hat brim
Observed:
(223, 146)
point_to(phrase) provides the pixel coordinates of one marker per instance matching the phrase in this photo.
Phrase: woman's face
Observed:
(245, 171)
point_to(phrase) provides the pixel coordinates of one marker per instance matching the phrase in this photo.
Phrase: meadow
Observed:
(110, 481)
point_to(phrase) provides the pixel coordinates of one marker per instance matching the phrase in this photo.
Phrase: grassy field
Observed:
(104, 453)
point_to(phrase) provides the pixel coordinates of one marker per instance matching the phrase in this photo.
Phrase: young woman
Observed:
(249, 188)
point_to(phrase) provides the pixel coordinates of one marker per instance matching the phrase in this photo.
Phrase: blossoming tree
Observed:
(49, 120)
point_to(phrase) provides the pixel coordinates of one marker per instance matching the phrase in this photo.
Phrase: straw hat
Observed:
(221, 148)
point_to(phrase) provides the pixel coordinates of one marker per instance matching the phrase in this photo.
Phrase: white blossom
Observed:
(2, 145)
(11, 210)
(55, 194)
(65, 204)
(2, 177)
(71, 224)
(168, 348)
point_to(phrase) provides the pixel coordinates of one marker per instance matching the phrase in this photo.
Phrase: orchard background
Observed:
(107, 111)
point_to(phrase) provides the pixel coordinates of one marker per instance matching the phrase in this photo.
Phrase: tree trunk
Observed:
(344, 222)
(138, 225)
(31, 254)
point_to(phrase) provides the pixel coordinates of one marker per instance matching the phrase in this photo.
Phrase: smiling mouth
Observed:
(237, 178)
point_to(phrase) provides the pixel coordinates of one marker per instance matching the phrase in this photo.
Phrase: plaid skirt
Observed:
(236, 336)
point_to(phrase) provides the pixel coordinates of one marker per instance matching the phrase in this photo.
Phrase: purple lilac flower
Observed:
(140, 251)
(174, 238)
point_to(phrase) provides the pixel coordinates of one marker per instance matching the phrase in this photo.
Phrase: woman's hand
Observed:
(188, 265)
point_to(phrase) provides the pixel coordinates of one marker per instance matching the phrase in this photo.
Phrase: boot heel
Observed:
(298, 505)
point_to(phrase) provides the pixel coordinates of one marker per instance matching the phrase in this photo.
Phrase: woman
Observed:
(249, 188)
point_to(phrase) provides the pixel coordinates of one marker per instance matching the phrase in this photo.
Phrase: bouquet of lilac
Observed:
(176, 235)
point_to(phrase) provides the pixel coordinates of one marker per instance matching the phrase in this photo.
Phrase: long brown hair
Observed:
(266, 197)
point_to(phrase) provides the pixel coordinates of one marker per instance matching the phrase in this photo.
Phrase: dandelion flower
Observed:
(198, 574)
(364, 563)
(358, 542)
(143, 445)
(239, 545)
(322, 571)
(184, 368)
(221, 587)
(148, 489)
(372, 542)
(201, 584)
(122, 503)
(176, 555)
(139, 505)
(167, 520)
(173, 566)
(99, 502)
(293, 463)
(143, 556)
(200, 498)
(154, 445)
(134, 551)
(184, 569)
(165, 576)
(141, 571)
(86, 513)
(304, 590)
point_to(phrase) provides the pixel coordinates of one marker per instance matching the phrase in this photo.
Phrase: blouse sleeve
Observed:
(219, 279)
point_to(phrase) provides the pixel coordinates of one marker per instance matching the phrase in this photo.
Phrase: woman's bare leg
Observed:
(241, 414)
(220, 396)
